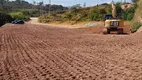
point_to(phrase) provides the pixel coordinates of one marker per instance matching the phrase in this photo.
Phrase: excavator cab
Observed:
(108, 16)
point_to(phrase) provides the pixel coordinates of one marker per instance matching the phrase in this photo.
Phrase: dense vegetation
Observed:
(20, 9)
(4, 18)
(20, 16)
(126, 14)
(78, 13)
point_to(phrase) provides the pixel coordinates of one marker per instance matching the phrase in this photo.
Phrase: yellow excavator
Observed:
(112, 23)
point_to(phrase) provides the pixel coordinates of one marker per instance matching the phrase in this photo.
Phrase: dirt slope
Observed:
(138, 12)
(38, 52)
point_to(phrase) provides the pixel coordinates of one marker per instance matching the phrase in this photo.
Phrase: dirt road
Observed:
(38, 52)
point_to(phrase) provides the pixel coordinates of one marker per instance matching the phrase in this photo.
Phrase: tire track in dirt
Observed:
(65, 60)
(25, 46)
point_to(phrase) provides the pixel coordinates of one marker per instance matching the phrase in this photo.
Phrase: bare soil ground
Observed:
(39, 52)
(66, 24)
(97, 29)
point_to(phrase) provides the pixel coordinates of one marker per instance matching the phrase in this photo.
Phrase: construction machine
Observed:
(112, 23)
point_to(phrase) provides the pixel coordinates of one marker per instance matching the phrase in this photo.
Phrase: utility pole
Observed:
(33, 4)
(41, 9)
(125, 1)
(1, 4)
(84, 5)
(49, 7)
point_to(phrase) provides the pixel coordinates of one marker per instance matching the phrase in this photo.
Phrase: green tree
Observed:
(94, 14)
(97, 13)
(118, 9)
(68, 16)
(108, 9)
(74, 9)
(128, 14)
(134, 1)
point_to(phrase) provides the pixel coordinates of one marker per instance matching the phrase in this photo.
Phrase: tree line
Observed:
(8, 6)
(21, 9)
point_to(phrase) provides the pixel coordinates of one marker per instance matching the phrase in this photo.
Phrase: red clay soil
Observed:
(37, 52)
(99, 29)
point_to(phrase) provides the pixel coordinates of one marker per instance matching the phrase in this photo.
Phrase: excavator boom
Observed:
(113, 10)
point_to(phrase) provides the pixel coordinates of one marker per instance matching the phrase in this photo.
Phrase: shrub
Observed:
(136, 26)
(130, 16)
(44, 19)
(19, 16)
(68, 16)
(26, 13)
(74, 9)
(4, 18)
(31, 12)
(96, 14)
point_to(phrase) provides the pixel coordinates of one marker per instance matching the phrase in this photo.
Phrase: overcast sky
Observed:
(73, 2)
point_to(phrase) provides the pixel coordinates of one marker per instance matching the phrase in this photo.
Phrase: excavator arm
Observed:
(113, 10)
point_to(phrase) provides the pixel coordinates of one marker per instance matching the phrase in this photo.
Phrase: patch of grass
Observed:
(136, 26)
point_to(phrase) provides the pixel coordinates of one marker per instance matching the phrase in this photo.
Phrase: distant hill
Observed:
(105, 4)
(68, 7)
(8, 6)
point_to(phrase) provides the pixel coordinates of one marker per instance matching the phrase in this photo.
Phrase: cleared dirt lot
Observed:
(38, 52)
